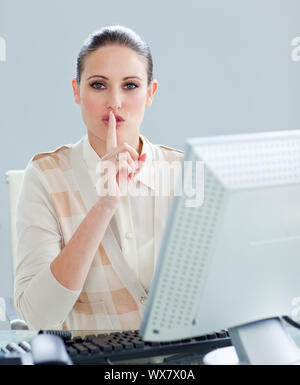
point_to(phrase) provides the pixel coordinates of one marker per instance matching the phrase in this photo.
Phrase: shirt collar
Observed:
(145, 176)
(89, 155)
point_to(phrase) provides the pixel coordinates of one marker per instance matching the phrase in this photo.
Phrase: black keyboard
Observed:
(125, 346)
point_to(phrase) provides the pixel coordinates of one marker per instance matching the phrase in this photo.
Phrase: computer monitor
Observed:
(234, 259)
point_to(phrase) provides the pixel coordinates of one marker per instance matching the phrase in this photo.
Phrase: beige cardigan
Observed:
(111, 298)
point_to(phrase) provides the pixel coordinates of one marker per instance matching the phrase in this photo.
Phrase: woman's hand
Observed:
(116, 173)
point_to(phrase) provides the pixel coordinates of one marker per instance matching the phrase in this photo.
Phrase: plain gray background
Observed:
(223, 66)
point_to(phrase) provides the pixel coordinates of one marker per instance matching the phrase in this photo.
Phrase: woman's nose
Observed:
(114, 101)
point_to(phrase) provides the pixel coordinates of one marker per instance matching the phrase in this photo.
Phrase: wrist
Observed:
(108, 204)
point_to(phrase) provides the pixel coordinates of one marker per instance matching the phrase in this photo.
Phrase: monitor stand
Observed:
(264, 342)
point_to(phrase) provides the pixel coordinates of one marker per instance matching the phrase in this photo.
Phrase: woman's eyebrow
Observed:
(104, 77)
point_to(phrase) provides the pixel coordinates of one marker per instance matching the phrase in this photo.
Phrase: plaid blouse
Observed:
(56, 195)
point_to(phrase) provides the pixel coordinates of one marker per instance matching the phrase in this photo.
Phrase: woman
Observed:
(86, 255)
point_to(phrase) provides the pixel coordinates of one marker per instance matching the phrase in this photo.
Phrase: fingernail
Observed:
(142, 157)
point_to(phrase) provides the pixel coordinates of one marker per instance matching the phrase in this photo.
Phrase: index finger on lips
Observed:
(111, 138)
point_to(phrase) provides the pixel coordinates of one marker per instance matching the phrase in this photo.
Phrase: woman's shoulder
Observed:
(170, 149)
(169, 153)
(61, 150)
(60, 157)
(52, 159)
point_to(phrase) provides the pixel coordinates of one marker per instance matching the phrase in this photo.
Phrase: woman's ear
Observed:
(76, 91)
(150, 92)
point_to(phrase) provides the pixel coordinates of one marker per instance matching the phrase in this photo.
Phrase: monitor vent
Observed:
(254, 163)
(185, 258)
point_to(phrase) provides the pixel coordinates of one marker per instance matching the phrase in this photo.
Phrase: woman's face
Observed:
(114, 78)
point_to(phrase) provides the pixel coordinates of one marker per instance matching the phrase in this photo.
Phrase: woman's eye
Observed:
(97, 85)
(101, 86)
(132, 86)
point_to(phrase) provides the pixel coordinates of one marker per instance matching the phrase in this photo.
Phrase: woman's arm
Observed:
(72, 265)
(39, 298)
(44, 295)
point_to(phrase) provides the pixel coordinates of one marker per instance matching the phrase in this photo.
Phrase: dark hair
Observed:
(117, 35)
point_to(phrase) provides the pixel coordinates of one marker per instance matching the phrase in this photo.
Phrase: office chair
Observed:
(14, 180)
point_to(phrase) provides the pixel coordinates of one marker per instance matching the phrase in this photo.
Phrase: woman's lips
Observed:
(119, 120)
(118, 123)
